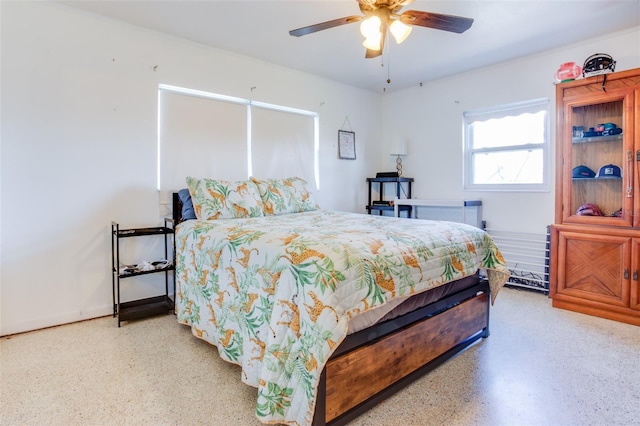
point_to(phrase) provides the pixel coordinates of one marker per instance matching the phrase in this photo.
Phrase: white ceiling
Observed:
(502, 30)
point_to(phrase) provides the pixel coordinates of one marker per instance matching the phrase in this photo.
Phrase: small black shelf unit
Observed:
(381, 205)
(142, 308)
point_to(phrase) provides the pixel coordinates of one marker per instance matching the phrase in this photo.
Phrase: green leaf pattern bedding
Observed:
(274, 294)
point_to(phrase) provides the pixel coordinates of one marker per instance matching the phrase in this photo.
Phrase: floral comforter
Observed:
(274, 294)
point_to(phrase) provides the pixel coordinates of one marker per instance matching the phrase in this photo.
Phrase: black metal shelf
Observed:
(138, 273)
(141, 308)
(390, 179)
(381, 205)
(385, 207)
(140, 232)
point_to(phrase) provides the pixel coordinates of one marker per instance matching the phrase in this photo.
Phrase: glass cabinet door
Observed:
(598, 161)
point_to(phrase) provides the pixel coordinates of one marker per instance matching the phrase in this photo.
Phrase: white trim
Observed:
(316, 150)
(249, 139)
(202, 94)
(505, 110)
(282, 108)
(158, 142)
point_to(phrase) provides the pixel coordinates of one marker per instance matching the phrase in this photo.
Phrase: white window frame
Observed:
(501, 111)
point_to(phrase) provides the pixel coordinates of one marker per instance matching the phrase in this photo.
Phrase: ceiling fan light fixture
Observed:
(380, 17)
(370, 27)
(399, 31)
(372, 43)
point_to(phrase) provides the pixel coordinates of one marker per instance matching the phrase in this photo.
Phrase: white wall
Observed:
(79, 105)
(431, 118)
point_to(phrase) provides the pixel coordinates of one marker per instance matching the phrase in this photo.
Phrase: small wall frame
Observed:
(346, 145)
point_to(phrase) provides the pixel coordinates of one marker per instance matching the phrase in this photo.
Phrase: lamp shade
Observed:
(372, 43)
(399, 31)
(400, 148)
(370, 27)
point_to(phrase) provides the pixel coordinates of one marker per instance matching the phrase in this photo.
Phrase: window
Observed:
(507, 147)
(204, 134)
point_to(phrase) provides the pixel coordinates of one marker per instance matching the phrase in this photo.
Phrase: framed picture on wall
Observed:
(346, 145)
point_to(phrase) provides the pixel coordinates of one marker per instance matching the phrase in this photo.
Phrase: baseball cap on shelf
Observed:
(582, 172)
(609, 171)
(589, 209)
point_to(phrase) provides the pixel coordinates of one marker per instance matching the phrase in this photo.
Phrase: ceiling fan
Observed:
(378, 16)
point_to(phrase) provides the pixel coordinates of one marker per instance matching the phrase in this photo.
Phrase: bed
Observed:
(326, 312)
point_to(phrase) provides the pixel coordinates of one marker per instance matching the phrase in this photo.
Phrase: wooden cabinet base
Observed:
(594, 271)
(584, 307)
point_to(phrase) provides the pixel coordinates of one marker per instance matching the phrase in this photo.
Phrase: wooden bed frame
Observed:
(374, 363)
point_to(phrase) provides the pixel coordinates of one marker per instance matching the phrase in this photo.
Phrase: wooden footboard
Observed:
(372, 364)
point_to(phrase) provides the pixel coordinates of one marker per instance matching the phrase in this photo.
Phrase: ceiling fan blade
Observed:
(455, 24)
(324, 25)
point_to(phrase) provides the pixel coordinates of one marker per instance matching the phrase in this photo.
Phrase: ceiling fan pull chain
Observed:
(388, 46)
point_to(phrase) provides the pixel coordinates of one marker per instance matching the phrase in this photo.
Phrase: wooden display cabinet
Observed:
(595, 258)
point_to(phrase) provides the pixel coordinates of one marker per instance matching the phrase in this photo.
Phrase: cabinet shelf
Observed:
(591, 139)
(595, 179)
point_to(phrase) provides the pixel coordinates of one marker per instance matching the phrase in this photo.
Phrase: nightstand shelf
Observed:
(381, 205)
(382, 208)
(142, 308)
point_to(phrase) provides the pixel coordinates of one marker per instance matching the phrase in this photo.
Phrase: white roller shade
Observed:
(282, 144)
(200, 137)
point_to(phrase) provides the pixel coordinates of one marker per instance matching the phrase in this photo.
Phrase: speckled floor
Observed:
(540, 366)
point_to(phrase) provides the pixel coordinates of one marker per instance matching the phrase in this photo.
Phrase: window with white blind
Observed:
(203, 134)
(282, 142)
(197, 137)
(507, 147)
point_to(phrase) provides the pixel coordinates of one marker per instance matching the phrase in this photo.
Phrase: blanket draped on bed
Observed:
(274, 294)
